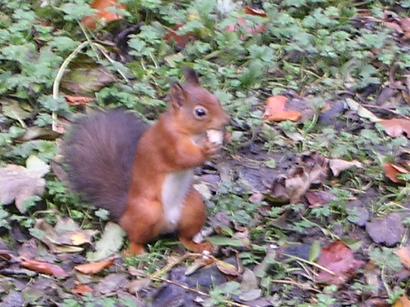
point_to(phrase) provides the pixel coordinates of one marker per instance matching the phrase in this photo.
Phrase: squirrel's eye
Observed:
(200, 112)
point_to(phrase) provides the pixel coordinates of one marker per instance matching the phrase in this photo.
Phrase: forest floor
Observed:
(309, 203)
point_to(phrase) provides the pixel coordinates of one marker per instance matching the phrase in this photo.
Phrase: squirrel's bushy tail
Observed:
(99, 153)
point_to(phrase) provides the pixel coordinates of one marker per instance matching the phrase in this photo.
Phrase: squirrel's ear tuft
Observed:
(191, 76)
(177, 95)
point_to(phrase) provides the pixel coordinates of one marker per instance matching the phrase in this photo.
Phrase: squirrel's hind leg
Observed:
(192, 220)
(142, 222)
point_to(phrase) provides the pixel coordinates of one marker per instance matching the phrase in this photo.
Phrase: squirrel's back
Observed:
(99, 152)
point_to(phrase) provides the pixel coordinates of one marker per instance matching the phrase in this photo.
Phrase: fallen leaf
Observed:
(227, 268)
(319, 198)
(396, 127)
(110, 243)
(402, 302)
(94, 267)
(404, 255)
(250, 295)
(81, 289)
(65, 237)
(178, 39)
(357, 213)
(392, 172)
(197, 264)
(297, 184)
(112, 283)
(104, 14)
(78, 100)
(43, 268)
(255, 12)
(338, 258)
(387, 230)
(14, 109)
(362, 111)
(69, 233)
(309, 169)
(43, 133)
(275, 110)
(224, 241)
(136, 285)
(85, 81)
(338, 165)
(249, 280)
(246, 26)
(19, 184)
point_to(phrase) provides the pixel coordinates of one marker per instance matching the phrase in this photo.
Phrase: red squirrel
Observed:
(144, 175)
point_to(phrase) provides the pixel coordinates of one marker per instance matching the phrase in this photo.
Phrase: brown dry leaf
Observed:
(43, 268)
(338, 258)
(94, 267)
(338, 165)
(227, 268)
(19, 184)
(297, 185)
(404, 255)
(138, 284)
(319, 198)
(78, 100)
(81, 289)
(402, 302)
(275, 110)
(396, 127)
(392, 171)
(311, 169)
(244, 25)
(180, 40)
(104, 14)
(65, 237)
(255, 12)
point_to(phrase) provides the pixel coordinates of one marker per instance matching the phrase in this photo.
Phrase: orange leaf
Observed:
(104, 13)
(255, 12)
(392, 171)
(81, 289)
(402, 302)
(275, 110)
(43, 267)
(404, 255)
(396, 127)
(338, 258)
(78, 100)
(94, 267)
(180, 40)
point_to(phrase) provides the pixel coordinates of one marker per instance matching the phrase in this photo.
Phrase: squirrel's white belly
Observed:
(175, 189)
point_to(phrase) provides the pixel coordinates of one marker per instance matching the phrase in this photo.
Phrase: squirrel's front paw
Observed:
(211, 150)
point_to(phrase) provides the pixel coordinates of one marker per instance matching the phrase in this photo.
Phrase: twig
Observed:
(311, 263)
(87, 37)
(60, 74)
(170, 265)
(370, 106)
(386, 286)
(104, 52)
